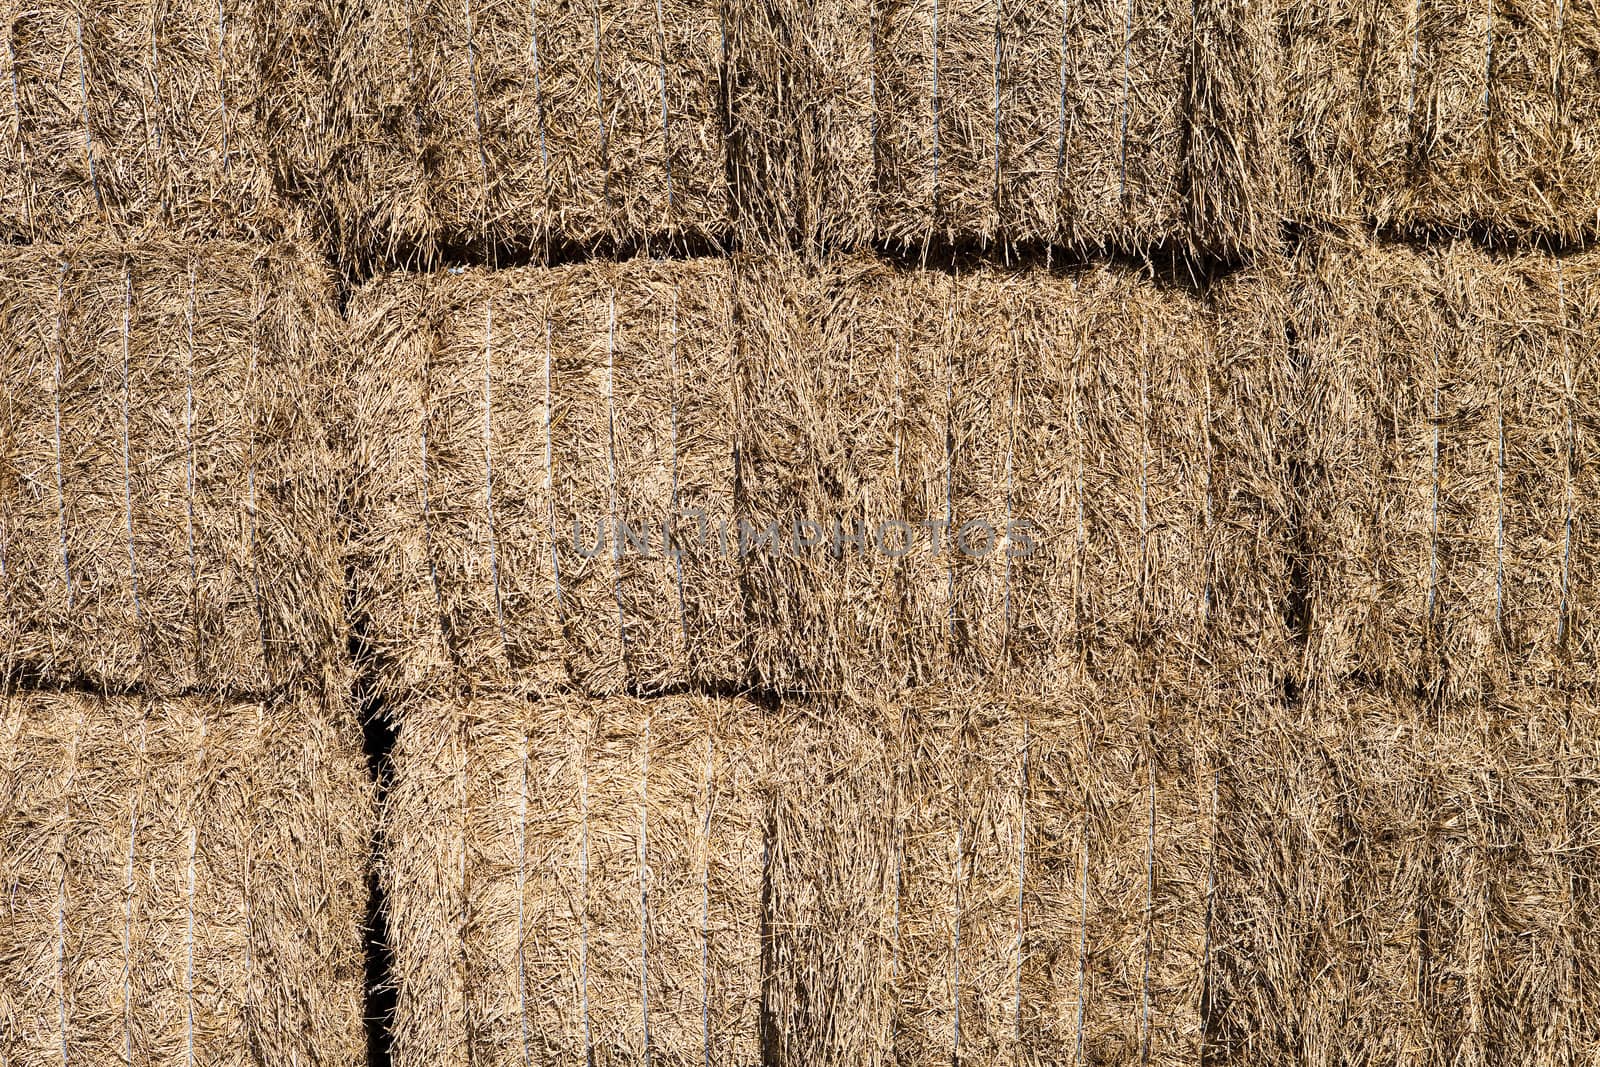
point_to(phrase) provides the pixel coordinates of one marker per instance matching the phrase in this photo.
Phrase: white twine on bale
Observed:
(955, 933)
(549, 467)
(538, 96)
(705, 895)
(998, 8)
(188, 435)
(611, 466)
(477, 118)
(61, 491)
(136, 801)
(937, 108)
(411, 69)
(1149, 910)
(127, 465)
(88, 137)
(155, 92)
(1207, 516)
(583, 887)
(644, 886)
(1415, 28)
(1083, 926)
(1211, 886)
(222, 83)
(676, 553)
(1061, 113)
(488, 469)
(949, 466)
(872, 95)
(522, 893)
(600, 105)
(16, 108)
(245, 868)
(463, 868)
(1022, 883)
(1488, 59)
(427, 502)
(1566, 472)
(256, 311)
(1433, 525)
(1499, 486)
(666, 135)
(61, 882)
(1127, 103)
(188, 937)
(1014, 401)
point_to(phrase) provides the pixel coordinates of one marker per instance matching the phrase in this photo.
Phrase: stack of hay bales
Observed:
(154, 119)
(187, 813)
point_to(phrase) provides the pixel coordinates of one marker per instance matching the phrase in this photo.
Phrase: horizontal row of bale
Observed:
(1370, 464)
(1189, 871)
(1375, 464)
(181, 881)
(410, 127)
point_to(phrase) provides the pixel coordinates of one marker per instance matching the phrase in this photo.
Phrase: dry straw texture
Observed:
(506, 422)
(1130, 430)
(1399, 884)
(1084, 123)
(1445, 115)
(959, 877)
(1448, 425)
(528, 123)
(133, 118)
(575, 882)
(183, 881)
(166, 491)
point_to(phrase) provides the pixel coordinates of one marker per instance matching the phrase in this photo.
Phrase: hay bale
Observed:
(508, 423)
(1030, 883)
(1437, 117)
(184, 879)
(1393, 880)
(576, 881)
(1441, 528)
(529, 125)
(166, 489)
(133, 118)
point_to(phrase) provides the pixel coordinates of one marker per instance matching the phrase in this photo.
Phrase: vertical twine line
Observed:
(1144, 623)
(1126, 106)
(522, 896)
(1572, 441)
(1433, 524)
(600, 105)
(88, 137)
(61, 884)
(938, 106)
(872, 96)
(583, 888)
(256, 310)
(463, 867)
(949, 472)
(1488, 59)
(189, 450)
(538, 97)
(1415, 29)
(998, 12)
(1061, 110)
(1211, 886)
(676, 554)
(1208, 517)
(488, 470)
(1149, 916)
(1083, 930)
(1013, 402)
(477, 119)
(955, 934)
(1499, 490)
(127, 464)
(155, 92)
(22, 148)
(188, 904)
(61, 491)
(1022, 884)
(222, 83)
(611, 471)
(644, 887)
(427, 496)
(666, 134)
(411, 69)
(137, 801)
(246, 858)
(705, 897)
(550, 466)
